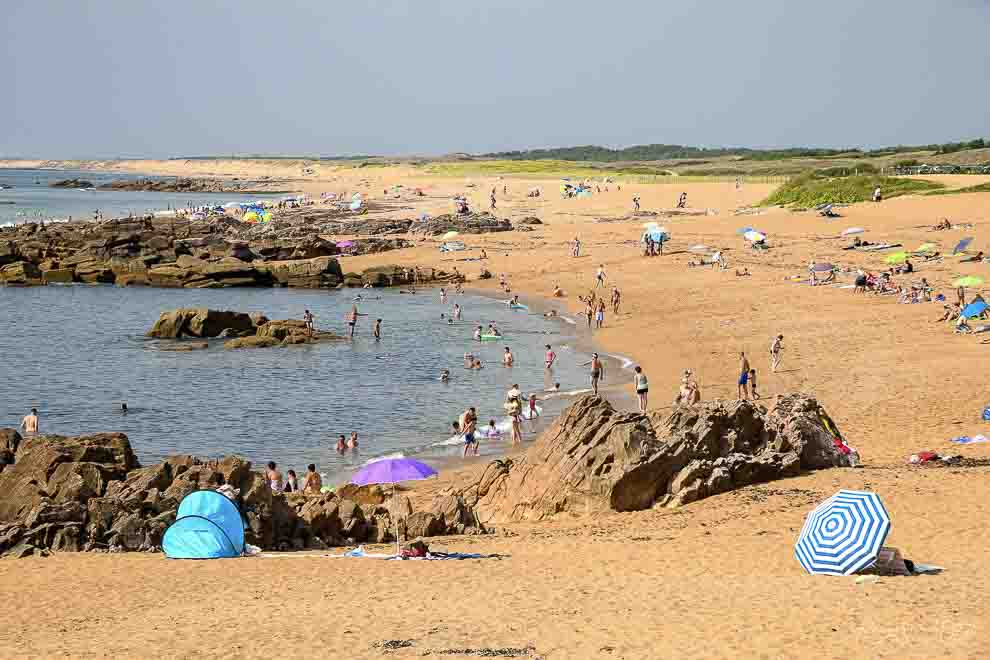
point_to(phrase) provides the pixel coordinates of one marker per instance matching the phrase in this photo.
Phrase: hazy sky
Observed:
(106, 78)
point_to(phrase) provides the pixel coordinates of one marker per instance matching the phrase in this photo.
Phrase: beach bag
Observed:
(986, 414)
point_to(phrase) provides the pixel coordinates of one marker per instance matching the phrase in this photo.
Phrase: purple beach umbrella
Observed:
(392, 471)
(823, 268)
(345, 244)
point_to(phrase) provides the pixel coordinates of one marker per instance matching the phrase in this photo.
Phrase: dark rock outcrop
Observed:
(594, 458)
(71, 183)
(203, 323)
(471, 223)
(89, 493)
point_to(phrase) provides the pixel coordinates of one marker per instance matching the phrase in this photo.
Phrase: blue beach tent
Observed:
(207, 525)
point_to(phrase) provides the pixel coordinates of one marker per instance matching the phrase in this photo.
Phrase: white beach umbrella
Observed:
(852, 230)
(754, 236)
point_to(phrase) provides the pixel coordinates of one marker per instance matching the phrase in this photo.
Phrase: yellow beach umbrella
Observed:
(897, 258)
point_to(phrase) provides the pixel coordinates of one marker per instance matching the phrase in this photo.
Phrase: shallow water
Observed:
(78, 352)
(35, 200)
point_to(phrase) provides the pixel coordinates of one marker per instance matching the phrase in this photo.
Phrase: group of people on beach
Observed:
(312, 482)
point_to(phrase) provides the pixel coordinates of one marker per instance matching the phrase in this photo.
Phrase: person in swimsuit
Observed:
(457, 312)
(30, 422)
(290, 485)
(443, 296)
(600, 315)
(743, 376)
(477, 333)
(642, 386)
(597, 371)
(589, 311)
(352, 318)
(775, 348)
(468, 424)
(274, 477)
(445, 375)
(341, 444)
(353, 442)
(308, 320)
(752, 385)
(377, 331)
(533, 410)
(507, 359)
(616, 299)
(600, 276)
(313, 483)
(551, 357)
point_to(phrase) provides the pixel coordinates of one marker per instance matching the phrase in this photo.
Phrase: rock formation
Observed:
(594, 458)
(471, 223)
(187, 185)
(89, 493)
(217, 252)
(241, 329)
(71, 183)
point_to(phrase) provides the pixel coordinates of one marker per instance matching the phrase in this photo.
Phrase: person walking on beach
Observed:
(600, 315)
(589, 311)
(752, 385)
(507, 359)
(377, 331)
(642, 386)
(600, 276)
(30, 422)
(597, 371)
(775, 349)
(636, 203)
(492, 199)
(616, 298)
(550, 358)
(576, 249)
(743, 376)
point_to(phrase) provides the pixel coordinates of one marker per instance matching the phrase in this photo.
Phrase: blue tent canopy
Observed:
(962, 245)
(208, 525)
(974, 309)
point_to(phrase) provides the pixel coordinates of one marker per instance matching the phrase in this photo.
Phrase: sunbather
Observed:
(950, 312)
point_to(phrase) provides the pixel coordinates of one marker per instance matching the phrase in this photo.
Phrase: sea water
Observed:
(26, 196)
(78, 352)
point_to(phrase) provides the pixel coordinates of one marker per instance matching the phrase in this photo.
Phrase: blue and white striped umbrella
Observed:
(843, 534)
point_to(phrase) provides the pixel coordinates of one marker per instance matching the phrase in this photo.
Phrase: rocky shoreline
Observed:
(89, 493)
(181, 185)
(216, 252)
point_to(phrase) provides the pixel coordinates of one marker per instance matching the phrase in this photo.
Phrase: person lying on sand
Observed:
(557, 291)
(745, 272)
(949, 313)
(972, 258)
(942, 226)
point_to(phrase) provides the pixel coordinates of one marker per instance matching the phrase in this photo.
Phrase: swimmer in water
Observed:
(457, 312)
(445, 376)
(477, 333)
(123, 408)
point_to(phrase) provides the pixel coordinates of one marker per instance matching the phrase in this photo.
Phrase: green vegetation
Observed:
(648, 152)
(536, 168)
(813, 189)
(981, 188)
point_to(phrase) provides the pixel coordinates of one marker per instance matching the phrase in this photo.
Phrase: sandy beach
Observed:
(716, 578)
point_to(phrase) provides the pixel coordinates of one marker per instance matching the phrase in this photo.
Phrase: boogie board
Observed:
(518, 306)
(491, 337)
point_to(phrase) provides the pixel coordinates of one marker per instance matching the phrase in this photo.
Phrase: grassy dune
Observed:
(813, 189)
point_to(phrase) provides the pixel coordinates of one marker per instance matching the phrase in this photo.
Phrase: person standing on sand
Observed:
(597, 371)
(600, 315)
(636, 203)
(576, 249)
(616, 298)
(752, 385)
(378, 329)
(589, 311)
(30, 422)
(775, 348)
(600, 276)
(492, 199)
(642, 386)
(743, 376)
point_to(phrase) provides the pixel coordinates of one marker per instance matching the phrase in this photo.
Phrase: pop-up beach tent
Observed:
(208, 525)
